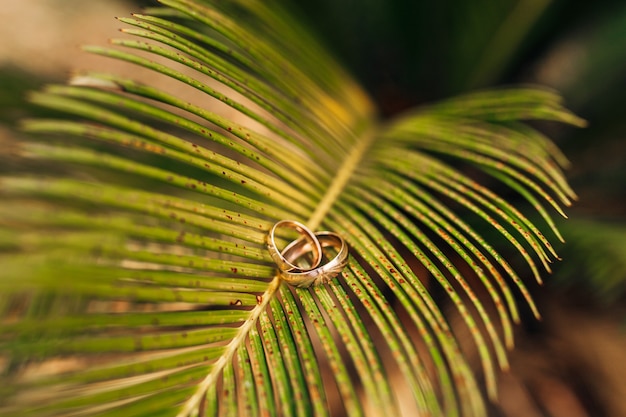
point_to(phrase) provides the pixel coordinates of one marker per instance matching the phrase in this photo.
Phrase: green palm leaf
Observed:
(135, 277)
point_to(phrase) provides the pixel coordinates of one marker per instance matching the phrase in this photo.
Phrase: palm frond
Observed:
(135, 277)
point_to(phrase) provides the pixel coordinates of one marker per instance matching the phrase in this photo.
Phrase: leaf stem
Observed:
(341, 178)
(196, 399)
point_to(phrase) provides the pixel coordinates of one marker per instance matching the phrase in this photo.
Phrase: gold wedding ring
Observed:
(282, 263)
(299, 262)
(320, 275)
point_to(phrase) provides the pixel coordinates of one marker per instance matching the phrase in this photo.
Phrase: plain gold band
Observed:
(307, 236)
(322, 274)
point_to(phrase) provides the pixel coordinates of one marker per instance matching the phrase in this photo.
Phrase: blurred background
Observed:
(407, 53)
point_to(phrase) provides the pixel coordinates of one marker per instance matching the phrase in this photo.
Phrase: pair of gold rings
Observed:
(300, 262)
